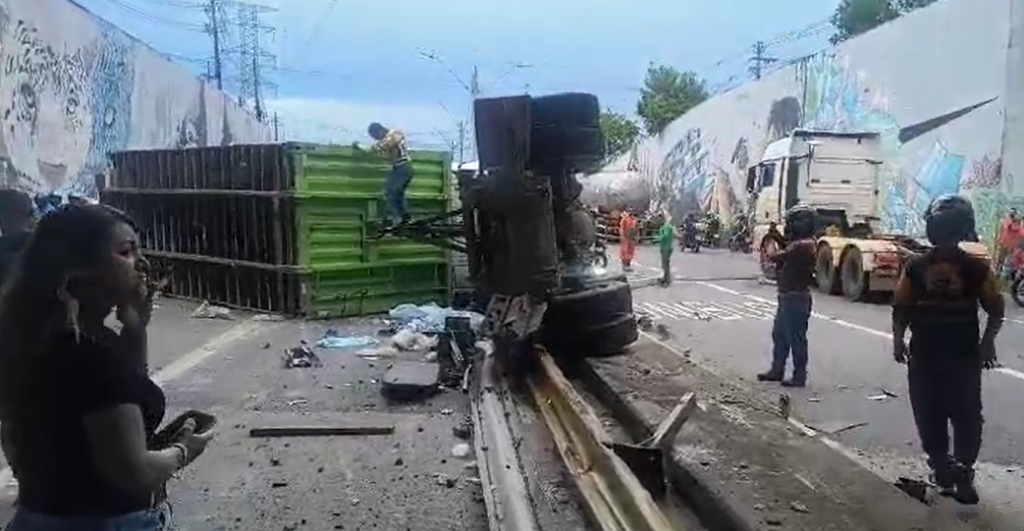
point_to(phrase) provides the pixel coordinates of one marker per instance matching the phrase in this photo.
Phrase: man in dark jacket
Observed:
(937, 299)
(17, 219)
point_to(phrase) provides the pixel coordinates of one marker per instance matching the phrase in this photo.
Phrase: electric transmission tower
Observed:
(251, 59)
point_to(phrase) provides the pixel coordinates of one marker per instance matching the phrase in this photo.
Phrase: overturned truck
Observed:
(529, 237)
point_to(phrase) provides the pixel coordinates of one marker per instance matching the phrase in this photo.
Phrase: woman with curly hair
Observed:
(78, 410)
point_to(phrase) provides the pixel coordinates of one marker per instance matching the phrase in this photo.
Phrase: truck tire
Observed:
(825, 273)
(770, 241)
(569, 110)
(608, 339)
(593, 306)
(853, 277)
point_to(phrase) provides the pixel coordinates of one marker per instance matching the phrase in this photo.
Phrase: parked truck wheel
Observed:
(825, 273)
(853, 277)
(770, 246)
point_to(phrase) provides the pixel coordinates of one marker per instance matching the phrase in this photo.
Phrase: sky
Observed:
(338, 65)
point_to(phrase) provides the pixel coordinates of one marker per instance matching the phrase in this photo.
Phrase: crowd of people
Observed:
(79, 414)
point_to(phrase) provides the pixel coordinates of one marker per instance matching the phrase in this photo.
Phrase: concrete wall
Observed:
(932, 83)
(74, 88)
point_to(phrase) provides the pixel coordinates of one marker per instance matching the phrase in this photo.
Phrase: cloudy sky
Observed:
(341, 64)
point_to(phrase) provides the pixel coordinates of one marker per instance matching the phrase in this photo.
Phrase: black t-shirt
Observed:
(11, 246)
(941, 296)
(57, 475)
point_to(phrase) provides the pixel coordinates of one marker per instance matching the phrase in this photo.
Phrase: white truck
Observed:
(837, 174)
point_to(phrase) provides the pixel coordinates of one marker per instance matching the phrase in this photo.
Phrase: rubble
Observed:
(411, 380)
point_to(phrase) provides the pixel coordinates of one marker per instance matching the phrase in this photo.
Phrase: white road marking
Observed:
(179, 367)
(847, 324)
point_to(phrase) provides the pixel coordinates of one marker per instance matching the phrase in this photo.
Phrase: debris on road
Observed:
(663, 332)
(461, 450)
(268, 318)
(335, 340)
(411, 341)
(915, 488)
(799, 507)
(785, 406)
(879, 397)
(319, 431)
(301, 357)
(836, 427)
(814, 399)
(411, 380)
(889, 393)
(429, 318)
(209, 311)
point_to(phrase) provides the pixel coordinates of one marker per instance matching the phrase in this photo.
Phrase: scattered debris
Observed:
(464, 430)
(879, 398)
(429, 318)
(785, 406)
(889, 393)
(410, 341)
(799, 507)
(334, 340)
(375, 353)
(837, 427)
(278, 484)
(814, 399)
(915, 488)
(301, 357)
(319, 431)
(645, 322)
(663, 332)
(411, 380)
(447, 411)
(445, 480)
(298, 402)
(268, 318)
(209, 311)
(461, 450)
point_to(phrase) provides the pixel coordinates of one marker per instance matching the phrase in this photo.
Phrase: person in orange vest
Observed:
(628, 236)
(1009, 237)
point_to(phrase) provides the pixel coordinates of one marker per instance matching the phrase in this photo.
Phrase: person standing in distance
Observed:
(937, 298)
(666, 240)
(795, 264)
(391, 143)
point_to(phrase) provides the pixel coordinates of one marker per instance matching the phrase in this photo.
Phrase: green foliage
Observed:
(620, 133)
(854, 17)
(666, 95)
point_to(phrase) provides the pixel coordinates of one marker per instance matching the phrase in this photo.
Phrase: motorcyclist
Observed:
(937, 298)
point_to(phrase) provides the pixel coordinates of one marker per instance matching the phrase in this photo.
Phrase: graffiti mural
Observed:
(685, 181)
(65, 105)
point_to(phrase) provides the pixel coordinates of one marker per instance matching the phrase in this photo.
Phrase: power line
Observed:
(149, 17)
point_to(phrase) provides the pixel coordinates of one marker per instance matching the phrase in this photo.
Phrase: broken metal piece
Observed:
(669, 428)
(320, 431)
(647, 464)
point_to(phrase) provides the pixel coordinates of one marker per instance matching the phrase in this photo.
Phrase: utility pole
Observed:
(760, 59)
(462, 141)
(277, 127)
(215, 31)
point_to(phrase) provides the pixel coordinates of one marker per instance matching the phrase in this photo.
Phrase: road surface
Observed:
(720, 316)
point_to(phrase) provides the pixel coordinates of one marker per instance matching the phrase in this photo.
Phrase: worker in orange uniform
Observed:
(628, 236)
(1009, 238)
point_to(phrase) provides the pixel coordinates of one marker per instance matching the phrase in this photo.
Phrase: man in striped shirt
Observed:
(391, 143)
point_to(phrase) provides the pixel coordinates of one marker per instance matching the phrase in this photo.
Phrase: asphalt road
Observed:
(720, 316)
(413, 478)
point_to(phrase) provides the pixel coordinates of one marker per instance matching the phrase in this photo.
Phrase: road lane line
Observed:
(180, 366)
(1013, 373)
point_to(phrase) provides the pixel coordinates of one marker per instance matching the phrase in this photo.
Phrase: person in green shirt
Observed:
(667, 240)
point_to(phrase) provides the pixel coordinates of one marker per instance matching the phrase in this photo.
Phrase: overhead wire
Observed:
(138, 13)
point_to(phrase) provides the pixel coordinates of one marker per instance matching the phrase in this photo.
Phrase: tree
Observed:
(620, 133)
(853, 17)
(666, 95)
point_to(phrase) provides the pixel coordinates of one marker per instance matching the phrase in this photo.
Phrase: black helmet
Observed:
(949, 220)
(801, 221)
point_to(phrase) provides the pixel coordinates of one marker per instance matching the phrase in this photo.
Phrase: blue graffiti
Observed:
(112, 80)
(686, 170)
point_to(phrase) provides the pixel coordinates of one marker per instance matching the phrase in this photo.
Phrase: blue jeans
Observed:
(789, 335)
(396, 205)
(156, 519)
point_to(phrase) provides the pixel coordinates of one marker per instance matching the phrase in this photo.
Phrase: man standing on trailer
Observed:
(937, 298)
(391, 142)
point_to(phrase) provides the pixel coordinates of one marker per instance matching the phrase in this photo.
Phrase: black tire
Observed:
(580, 145)
(596, 306)
(825, 273)
(852, 275)
(608, 339)
(1017, 290)
(572, 109)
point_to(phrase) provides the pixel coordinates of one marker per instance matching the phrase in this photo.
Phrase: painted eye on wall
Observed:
(110, 116)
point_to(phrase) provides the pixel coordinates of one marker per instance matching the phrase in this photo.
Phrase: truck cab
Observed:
(835, 173)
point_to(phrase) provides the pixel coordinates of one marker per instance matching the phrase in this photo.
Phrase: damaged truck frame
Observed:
(529, 241)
